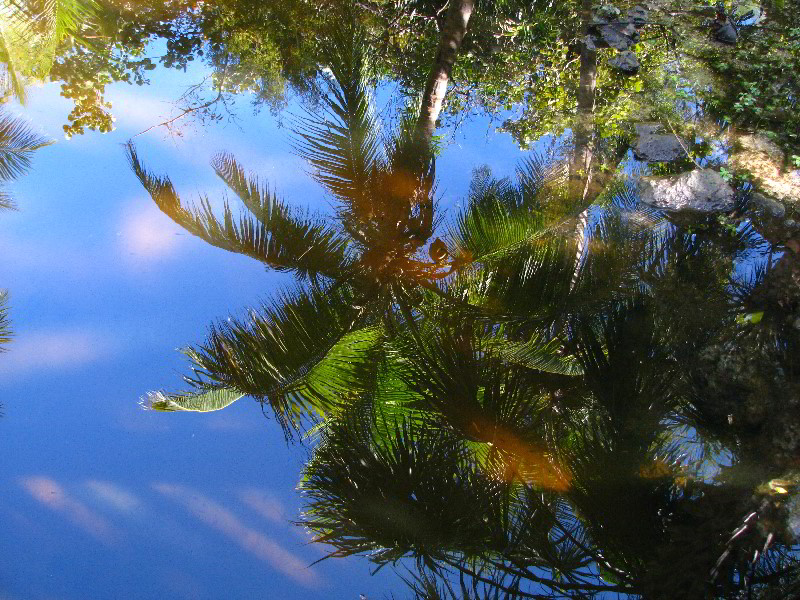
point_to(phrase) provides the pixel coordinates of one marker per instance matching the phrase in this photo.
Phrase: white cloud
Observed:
(53, 350)
(265, 505)
(52, 495)
(113, 495)
(135, 111)
(147, 234)
(252, 541)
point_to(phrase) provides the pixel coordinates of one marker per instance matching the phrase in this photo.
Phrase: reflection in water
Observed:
(18, 142)
(5, 325)
(385, 199)
(577, 394)
(114, 495)
(263, 504)
(224, 521)
(52, 495)
(56, 350)
(559, 391)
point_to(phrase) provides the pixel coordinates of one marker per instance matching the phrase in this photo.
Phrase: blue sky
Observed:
(100, 499)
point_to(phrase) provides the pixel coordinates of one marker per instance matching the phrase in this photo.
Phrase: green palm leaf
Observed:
(200, 401)
(30, 34)
(537, 353)
(488, 230)
(6, 201)
(302, 355)
(18, 142)
(410, 493)
(417, 492)
(70, 16)
(272, 233)
(335, 375)
(501, 217)
(340, 141)
(5, 322)
(8, 56)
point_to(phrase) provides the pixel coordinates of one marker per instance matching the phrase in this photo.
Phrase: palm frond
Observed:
(272, 233)
(412, 493)
(201, 401)
(501, 217)
(417, 493)
(6, 201)
(301, 355)
(17, 144)
(531, 284)
(13, 78)
(33, 31)
(71, 16)
(465, 383)
(534, 175)
(325, 246)
(537, 353)
(489, 230)
(340, 140)
(5, 322)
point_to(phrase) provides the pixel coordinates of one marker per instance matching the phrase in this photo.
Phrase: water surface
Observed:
(475, 345)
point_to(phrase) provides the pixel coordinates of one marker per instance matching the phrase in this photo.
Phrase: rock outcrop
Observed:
(700, 190)
(610, 30)
(764, 160)
(653, 146)
(626, 62)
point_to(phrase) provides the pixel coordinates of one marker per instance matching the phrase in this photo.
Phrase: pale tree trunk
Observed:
(580, 166)
(452, 35)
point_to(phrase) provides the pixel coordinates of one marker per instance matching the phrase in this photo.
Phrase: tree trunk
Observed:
(452, 35)
(580, 166)
(583, 128)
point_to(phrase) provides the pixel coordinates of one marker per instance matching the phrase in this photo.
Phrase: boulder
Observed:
(700, 190)
(726, 33)
(608, 12)
(651, 146)
(613, 36)
(767, 206)
(590, 42)
(638, 15)
(765, 161)
(626, 62)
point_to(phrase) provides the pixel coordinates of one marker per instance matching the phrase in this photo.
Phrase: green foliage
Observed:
(509, 411)
(272, 232)
(31, 33)
(254, 357)
(18, 142)
(5, 322)
(757, 86)
(501, 217)
(249, 46)
(203, 401)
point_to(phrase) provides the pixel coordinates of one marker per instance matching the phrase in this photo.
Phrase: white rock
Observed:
(702, 190)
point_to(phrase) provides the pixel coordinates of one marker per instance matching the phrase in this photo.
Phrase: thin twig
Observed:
(192, 109)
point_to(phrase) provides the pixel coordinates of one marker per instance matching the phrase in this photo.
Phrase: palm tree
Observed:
(347, 286)
(485, 411)
(359, 280)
